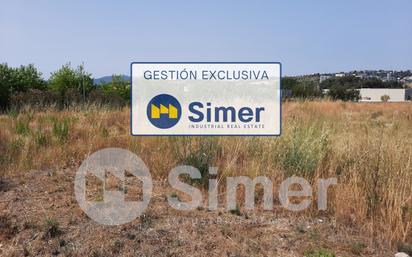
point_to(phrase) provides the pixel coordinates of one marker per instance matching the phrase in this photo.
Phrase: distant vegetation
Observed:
(336, 88)
(73, 86)
(301, 88)
(68, 86)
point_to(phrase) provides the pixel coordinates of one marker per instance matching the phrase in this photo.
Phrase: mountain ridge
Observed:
(107, 79)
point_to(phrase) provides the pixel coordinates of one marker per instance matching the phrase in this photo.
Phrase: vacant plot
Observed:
(367, 147)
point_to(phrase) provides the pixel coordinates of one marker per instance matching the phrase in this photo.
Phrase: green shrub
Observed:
(385, 98)
(41, 138)
(305, 149)
(202, 158)
(61, 130)
(22, 127)
(319, 253)
(357, 248)
(51, 227)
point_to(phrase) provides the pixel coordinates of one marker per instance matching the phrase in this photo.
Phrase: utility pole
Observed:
(84, 91)
(10, 98)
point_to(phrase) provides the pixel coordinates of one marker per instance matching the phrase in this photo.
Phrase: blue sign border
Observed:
(209, 135)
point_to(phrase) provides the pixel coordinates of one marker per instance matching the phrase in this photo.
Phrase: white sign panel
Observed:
(205, 98)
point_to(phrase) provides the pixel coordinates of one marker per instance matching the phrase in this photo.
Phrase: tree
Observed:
(372, 83)
(27, 77)
(306, 89)
(5, 85)
(377, 83)
(16, 80)
(393, 84)
(117, 87)
(347, 82)
(301, 88)
(289, 83)
(343, 93)
(69, 78)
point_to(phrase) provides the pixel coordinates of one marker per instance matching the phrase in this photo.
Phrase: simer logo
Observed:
(206, 99)
(164, 111)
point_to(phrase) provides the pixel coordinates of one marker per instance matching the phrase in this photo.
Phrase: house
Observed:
(379, 94)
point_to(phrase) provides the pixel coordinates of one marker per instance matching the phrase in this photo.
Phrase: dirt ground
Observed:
(39, 216)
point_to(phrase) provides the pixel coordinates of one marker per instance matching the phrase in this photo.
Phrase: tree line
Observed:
(72, 86)
(68, 86)
(336, 88)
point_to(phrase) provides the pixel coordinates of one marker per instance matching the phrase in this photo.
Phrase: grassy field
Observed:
(368, 147)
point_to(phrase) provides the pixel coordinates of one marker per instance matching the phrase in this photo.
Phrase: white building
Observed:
(324, 77)
(377, 94)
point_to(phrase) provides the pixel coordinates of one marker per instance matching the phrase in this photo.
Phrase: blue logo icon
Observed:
(164, 111)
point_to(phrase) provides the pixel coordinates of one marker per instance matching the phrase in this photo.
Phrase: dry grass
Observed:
(368, 147)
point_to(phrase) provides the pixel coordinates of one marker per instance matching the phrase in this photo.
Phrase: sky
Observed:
(305, 36)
